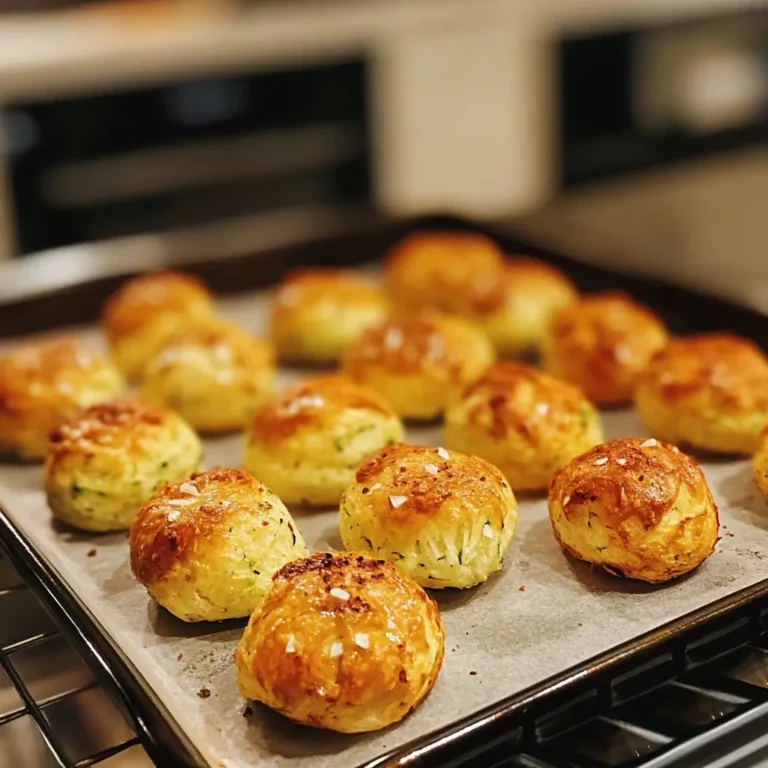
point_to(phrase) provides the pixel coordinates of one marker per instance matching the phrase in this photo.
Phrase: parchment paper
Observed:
(541, 615)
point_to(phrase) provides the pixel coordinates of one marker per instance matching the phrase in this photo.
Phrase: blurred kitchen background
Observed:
(625, 132)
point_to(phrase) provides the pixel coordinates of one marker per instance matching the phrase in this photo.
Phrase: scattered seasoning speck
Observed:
(180, 657)
(521, 588)
(472, 672)
(247, 712)
(730, 534)
(203, 693)
(92, 553)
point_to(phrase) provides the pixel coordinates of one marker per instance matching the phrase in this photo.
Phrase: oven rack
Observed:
(53, 711)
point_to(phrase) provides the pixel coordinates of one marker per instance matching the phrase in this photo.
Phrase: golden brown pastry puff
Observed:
(104, 464)
(708, 391)
(341, 642)
(444, 518)
(421, 362)
(638, 508)
(524, 422)
(760, 463)
(456, 272)
(206, 548)
(42, 385)
(601, 344)
(318, 313)
(307, 443)
(144, 311)
(532, 292)
(214, 374)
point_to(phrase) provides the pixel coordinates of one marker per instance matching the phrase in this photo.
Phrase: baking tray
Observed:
(542, 624)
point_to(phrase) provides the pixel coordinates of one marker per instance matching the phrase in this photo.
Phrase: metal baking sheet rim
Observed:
(144, 707)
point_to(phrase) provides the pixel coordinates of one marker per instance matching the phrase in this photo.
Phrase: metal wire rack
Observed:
(53, 712)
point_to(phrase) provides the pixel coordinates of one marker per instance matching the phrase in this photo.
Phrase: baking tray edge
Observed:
(165, 741)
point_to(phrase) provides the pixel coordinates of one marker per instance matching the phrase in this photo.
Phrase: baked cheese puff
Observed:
(307, 443)
(206, 548)
(532, 292)
(444, 518)
(139, 317)
(708, 392)
(44, 384)
(456, 272)
(760, 463)
(214, 374)
(637, 508)
(318, 313)
(342, 642)
(104, 464)
(419, 362)
(601, 343)
(524, 422)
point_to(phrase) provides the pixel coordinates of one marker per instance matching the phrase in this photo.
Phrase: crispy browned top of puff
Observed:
(113, 423)
(36, 372)
(140, 300)
(522, 400)
(612, 317)
(306, 286)
(170, 528)
(231, 345)
(525, 272)
(315, 576)
(407, 342)
(611, 328)
(421, 480)
(449, 267)
(346, 597)
(311, 403)
(734, 369)
(627, 478)
(332, 567)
